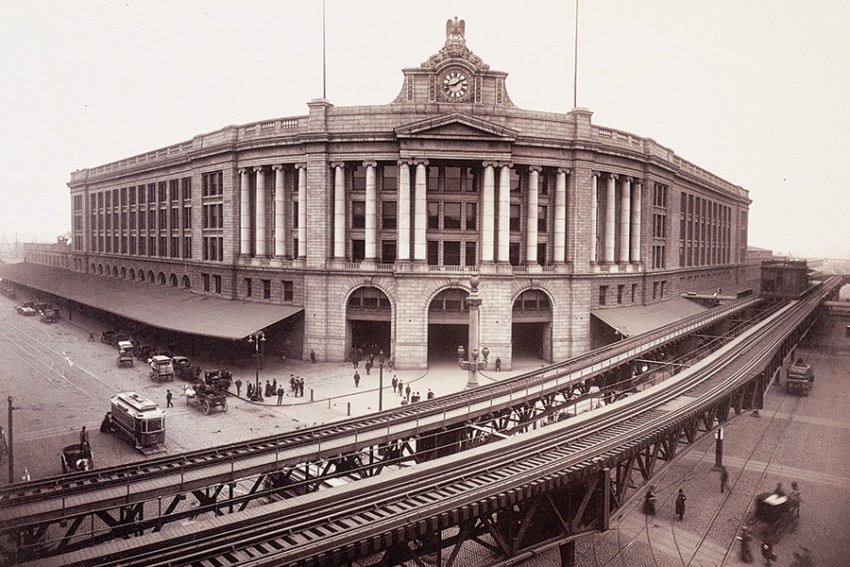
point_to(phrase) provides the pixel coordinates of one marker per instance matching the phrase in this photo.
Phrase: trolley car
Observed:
(139, 421)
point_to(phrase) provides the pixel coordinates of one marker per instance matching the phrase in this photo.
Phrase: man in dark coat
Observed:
(680, 504)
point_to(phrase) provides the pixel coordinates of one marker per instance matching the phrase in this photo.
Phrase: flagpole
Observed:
(324, 56)
(575, 65)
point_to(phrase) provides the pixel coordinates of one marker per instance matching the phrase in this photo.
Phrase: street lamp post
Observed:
(473, 365)
(381, 380)
(256, 339)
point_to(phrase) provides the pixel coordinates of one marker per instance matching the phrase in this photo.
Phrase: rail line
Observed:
(325, 527)
(331, 439)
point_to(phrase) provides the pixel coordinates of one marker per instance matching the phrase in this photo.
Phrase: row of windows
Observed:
(658, 291)
(161, 246)
(441, 178)
(705, 232)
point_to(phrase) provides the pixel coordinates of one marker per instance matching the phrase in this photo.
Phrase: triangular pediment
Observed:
(457, 125)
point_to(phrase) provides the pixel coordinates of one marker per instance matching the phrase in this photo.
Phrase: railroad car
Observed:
(139, 421)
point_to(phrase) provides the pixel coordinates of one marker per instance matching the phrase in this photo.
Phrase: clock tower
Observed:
(454, 75)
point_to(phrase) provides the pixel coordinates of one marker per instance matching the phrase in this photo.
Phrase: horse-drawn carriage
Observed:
(773, 515)
(77, 457)
(219, 379)
(205, 397)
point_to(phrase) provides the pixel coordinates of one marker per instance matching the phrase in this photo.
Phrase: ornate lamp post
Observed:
(381, 380)
(256, 339)
(473, 365)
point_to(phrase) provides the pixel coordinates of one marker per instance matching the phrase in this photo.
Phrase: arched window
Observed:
(100, 269)
(172, 280)
(151, 278)
(114, 271)
(186, 283)
(93, 268)
(132, 274)
(123, 272)
(161, 278)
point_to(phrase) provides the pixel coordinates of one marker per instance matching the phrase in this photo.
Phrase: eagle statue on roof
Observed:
(455, 29)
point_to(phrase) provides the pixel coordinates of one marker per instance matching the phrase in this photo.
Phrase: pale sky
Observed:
(755, 91)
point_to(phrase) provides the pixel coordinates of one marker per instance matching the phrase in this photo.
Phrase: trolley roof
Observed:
(133, 401)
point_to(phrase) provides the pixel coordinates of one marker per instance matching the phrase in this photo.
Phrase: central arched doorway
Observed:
(448, 325)
(369, 318)
(531, 326)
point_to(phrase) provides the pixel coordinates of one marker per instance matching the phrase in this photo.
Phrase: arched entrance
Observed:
(531, 326)
(448, 325)
(369, 318)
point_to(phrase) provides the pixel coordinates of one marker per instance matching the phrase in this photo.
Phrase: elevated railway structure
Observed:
(545, 487)
(64, 513)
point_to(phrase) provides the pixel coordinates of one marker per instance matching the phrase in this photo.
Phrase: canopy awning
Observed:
(639, 319)
(159, 306)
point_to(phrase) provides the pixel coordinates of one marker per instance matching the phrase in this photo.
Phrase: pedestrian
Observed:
(724, 478)
(91, 337)
(746, 553)
(649, 501)
(767, 552)
(680, 504)
(274, 386)
(430, 394)
(248, 389)
(238, 386)
(292, 383)
(301, 387)
(84, 439)
(498, 364)
(395, 383)
(401, 388)
(312, 356)
(368, 366)
(407, 392)
(280, 395)
(168, 396)
(390, 364)
(356, 379)
(794, 496)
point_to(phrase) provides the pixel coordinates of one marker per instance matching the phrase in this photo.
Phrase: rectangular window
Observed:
(542, 257)
(634, 292)
(267, 289)
(389, 215)
(187, 246)
(433, 215)
(186, 186)
(542, 217)
(187, 217)
(603, 294)
(358, 214)
(451, 216)
(470, 258)
(451, 253)
(211, 183)
(288, 290)
(433, 179)
(175, 246)
(515, 218)
(620, 290)
(162, 189)
(295, 217)
(358, 176)
(472, 216)
(433, 253)
(513, 253)
(390, 178)
(654, 290)
(453, 177)
(388, 251)
(206, 278)
(248, 287)
(358, 250)
(661, 288)
(217, 283)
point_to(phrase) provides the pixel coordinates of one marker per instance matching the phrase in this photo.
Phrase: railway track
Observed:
(331, 439)
(323, 527)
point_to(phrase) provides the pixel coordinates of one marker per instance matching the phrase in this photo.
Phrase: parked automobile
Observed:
(25, 311)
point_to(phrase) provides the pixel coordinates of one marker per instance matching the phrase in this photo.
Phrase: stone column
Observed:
(531, 216)
(610, 212)
(488, 213)
(245, 211)
(636, 228)
(260, 213)
(279, 211)
(503, 253)
(625, 219)
(371, 211)
(339, 209)
(302, 210)
(559, 250)
(594, 218)
(404, 210)
(421, 212)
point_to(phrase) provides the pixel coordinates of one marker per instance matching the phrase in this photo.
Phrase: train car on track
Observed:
(139, 421)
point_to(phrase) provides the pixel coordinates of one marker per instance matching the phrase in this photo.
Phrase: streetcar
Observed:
(139, 421)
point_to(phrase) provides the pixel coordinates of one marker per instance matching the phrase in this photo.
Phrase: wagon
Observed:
(75, 458)
(773, 515)
(205, 397)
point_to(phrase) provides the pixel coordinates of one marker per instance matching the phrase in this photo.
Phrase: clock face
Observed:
(455, 84)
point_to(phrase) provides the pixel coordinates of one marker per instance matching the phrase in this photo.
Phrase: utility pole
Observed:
(11, 445)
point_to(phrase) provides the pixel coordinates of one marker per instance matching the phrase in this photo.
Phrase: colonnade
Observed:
(607, 209)
(258, 220)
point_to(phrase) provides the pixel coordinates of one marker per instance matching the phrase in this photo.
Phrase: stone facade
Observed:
(374, 218)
